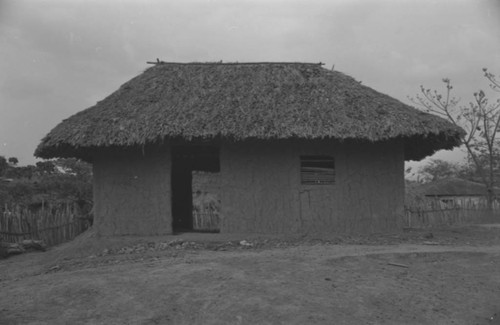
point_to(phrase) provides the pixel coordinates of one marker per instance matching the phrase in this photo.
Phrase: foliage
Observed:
(3, 165)
(48, 183)
(481, 120)
(439, 169)
(13, 161)
(21, 172)
(483, 159)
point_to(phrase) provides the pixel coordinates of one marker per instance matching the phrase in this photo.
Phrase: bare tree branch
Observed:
(481, 120)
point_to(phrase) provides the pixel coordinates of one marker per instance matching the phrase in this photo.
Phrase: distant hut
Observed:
(455, 192)
(296, 148)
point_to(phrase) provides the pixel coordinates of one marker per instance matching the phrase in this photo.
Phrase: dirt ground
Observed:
(432, 276)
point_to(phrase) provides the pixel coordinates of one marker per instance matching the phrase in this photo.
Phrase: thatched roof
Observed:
(244, 101)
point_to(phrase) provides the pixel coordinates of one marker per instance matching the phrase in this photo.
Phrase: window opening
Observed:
(317, 170)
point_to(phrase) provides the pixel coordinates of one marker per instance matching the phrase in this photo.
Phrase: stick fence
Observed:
(430, 213)
(50, 224)
(208, 221)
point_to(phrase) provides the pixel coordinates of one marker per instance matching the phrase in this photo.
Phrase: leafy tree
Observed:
(74, 167)
(7, 164)
(21, 172)
(480, 119)
(69, 179)
(3, 165)
(474, 174)
(46, 167)
(13, 161)
(439, 169)
(50, 182)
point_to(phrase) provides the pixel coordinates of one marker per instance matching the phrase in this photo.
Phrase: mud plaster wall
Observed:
(132, 194)
(261, 190)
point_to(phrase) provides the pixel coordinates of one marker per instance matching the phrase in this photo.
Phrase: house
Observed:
(296, 148)
(454, 192)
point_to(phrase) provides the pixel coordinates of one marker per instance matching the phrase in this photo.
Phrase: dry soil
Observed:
(433, 276)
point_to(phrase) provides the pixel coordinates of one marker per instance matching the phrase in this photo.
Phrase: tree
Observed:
(54, 182)
(7, 165)
(3, 165)
(480, 119)
(46, 167)
(439, 169)
(13, 161)
(21, 172)
(74, 167)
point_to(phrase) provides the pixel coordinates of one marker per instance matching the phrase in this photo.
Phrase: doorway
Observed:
(189, 160)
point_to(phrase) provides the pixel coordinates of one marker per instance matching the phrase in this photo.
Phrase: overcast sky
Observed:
(60, 57)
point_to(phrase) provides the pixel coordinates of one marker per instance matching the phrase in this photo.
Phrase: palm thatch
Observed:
(241, 101)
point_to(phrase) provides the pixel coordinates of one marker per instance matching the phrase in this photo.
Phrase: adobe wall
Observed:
(132, 194)
(261, 190)
(372, 191)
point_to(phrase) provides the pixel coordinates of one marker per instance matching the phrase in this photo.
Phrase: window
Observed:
(317, 170)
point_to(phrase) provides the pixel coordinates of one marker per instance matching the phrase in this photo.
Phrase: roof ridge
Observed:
(158, 62)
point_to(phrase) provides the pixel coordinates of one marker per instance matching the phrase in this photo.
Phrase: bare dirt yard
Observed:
(432, 276)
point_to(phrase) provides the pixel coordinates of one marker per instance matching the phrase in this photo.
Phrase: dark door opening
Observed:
(186, 160)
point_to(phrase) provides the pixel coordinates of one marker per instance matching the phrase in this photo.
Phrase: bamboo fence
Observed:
(432, 213)
(52, 225)
(206, 221)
